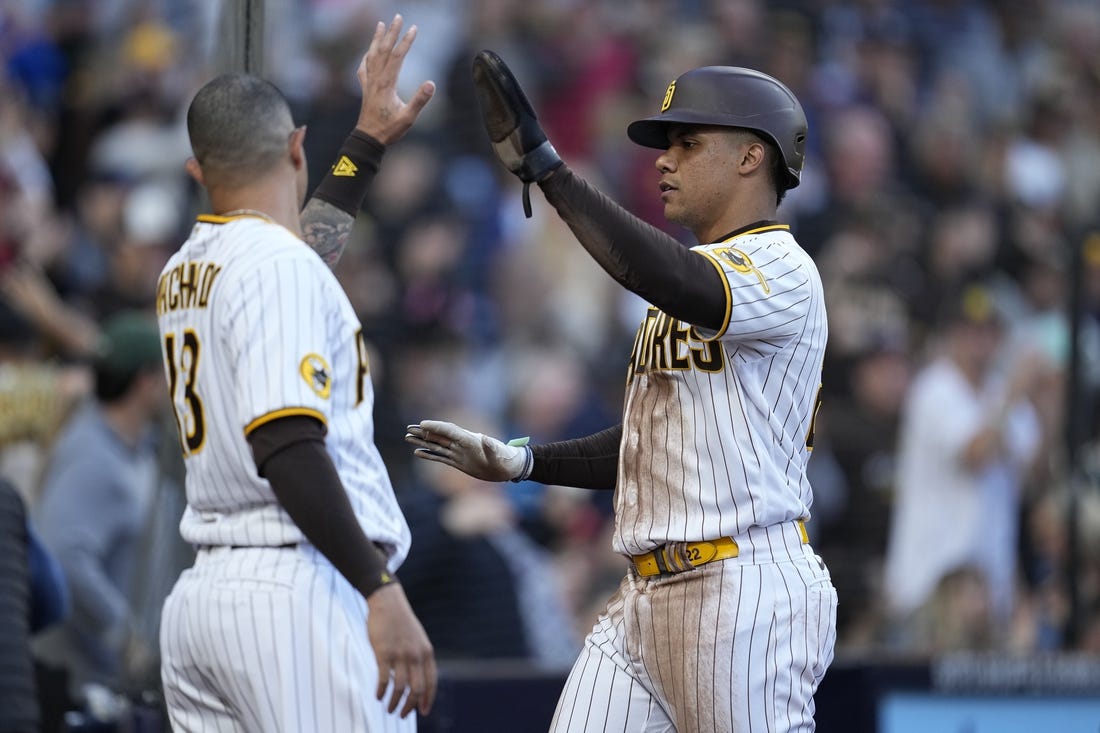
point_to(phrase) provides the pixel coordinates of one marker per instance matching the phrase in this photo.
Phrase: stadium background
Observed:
(950, 140)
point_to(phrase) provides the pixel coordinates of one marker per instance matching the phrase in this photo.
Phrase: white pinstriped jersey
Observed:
(256, 327)
(717, 426)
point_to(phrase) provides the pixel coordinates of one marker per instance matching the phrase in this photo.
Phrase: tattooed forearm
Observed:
(326, 229)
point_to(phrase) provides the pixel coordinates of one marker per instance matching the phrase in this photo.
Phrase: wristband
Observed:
(345, 185)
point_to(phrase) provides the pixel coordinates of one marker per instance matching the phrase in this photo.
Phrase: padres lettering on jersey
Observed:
(305, 356)
(663, 343)
(716, 424)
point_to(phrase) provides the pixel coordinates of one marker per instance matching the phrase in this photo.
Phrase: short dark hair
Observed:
(239, 125)
(774, 165)
(777, 170)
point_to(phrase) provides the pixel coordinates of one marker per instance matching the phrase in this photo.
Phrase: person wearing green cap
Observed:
(96, 497)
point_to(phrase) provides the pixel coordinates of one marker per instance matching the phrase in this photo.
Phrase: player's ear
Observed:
(752, 155)
(297, 147)
(194, 170)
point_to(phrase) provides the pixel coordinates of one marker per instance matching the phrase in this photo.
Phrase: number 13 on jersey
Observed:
(182, 358)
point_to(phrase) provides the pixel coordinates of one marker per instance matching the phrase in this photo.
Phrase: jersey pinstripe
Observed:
(270, 639)
(231, 370)
(717, 426)
(717, 431)
(263, 633)
(738, 645)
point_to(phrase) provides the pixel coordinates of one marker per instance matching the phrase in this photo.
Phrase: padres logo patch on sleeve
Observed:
(314, 369)
(741, 262)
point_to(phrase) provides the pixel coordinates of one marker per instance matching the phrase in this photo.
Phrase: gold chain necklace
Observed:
(249, 212)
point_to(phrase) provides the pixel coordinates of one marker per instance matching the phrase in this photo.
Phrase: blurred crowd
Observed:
(951, 199)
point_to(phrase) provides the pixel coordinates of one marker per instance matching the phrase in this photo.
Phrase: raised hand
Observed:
(383, 114)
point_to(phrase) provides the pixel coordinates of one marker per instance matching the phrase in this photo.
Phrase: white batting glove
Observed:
(477, 455)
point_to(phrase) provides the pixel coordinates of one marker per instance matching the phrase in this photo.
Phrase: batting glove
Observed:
(477, 455)
(512, 124)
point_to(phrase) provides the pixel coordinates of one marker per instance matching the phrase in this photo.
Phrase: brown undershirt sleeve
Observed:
(290, 453)
(640, 257)
(591, 462)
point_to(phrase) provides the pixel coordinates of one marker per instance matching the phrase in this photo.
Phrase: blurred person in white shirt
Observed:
(967, 441)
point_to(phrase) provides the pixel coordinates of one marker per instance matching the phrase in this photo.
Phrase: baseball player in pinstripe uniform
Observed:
(291, 616)
(725, 620)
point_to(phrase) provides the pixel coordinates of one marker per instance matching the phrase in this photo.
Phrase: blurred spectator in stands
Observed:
(36, 397)
(34, 61)
(1087, 633)
(33, 597)
(150, 232)
(1090, 255)
(31, 238)
(59, 327)
(860, 162)
(1041, 322)
(968, 436)
(495, 24)
(865, 282)
(1044, 612)
(957, 616)
(482, 588)
(96, 222)
(95, 505)
(1050, 622)
(861, 430)
(589, 570)
(961, 244)
(552, 397)
(583, 60)
(406, 210)
(36, 391)
(944, 155)
(431, 294)
(21, 157)
(987, 48)
(141, 134)
(1071, 65)
(581, 308)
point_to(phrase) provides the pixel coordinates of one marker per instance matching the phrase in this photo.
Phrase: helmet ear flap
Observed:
(792, 165)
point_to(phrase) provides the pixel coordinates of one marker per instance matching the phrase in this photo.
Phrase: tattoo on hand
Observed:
(326, 229)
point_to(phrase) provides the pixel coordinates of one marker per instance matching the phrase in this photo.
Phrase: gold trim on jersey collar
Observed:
(758, 230)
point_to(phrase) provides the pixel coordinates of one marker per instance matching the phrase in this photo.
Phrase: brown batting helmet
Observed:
(731, 96)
